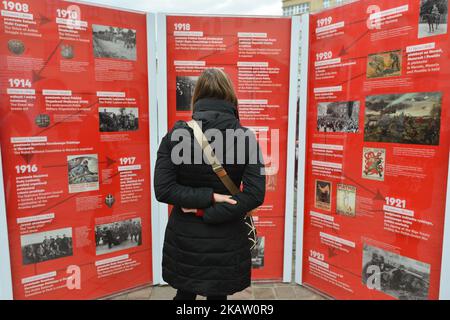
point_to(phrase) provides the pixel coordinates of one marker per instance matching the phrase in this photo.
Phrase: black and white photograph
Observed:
(48, 245)
(118, 119)
(395, 275)
(338, 117)
(118, 235)
(83, 173)
(433, 19)
(409, 118)
(114, 42)
(185, 92)
(258, 253)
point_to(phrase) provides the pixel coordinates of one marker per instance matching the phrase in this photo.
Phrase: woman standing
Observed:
(206, 247)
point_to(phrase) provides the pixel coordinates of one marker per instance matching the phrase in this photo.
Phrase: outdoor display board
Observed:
(377, 149)
(74, 129)
(256, 53)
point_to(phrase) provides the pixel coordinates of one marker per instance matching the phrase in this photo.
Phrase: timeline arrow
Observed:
(108, 163)
(43, 19)
(377, 194)
(332, 252)
(344, 50)
(37, 74)
(353, 78)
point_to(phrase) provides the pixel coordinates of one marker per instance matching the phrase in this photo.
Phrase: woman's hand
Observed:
(222, 198)
(185, 210)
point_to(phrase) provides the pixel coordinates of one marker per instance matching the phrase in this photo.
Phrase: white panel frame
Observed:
(292, 126)
(163, 120)
(303, 112)
(6, 291)
(163, 213)
(153, 132)
(444, 293)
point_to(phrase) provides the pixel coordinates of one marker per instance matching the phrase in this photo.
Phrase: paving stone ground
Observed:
(258, 291)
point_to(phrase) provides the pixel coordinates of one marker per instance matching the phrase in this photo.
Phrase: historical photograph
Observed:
(410, 118)
(346, 200)
(433, 19)
(323, 195)
(258, 253)
(185, 92)
(48, 245)
(114, 42)
(374, 164)
(384, 64)
(83, 173)
(118, 235)
(338, 117)
(118, 119)
(400, 277)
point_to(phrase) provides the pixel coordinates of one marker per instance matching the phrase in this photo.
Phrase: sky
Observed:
(242, 7)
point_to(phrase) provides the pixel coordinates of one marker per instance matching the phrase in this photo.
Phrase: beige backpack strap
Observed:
(212, 159)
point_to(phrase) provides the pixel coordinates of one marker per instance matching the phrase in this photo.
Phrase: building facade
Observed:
(295, 7)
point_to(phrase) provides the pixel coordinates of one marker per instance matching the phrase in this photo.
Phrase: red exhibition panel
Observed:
(377, 149)
(74, 128)
(255, 53)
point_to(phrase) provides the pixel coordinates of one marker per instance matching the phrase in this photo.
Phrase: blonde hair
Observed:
(214, 83)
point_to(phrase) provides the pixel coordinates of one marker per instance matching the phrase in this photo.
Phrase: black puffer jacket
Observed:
(208, 255)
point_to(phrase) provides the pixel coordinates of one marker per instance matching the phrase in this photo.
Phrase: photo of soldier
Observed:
(385, 64)
(118, 119)
(114, 42)
(117, 236)
(433, 18)
(400, 277)
(44, 246)
(83, 173)
(185, 91)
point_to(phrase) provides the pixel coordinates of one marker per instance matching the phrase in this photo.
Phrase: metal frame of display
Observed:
(6, 292)
(302, 116)
(444, 293)
(153, 134)
(163, 124)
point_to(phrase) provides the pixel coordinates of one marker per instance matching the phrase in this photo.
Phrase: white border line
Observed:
(163, 213)
(290, 172)
(302, 147)
(6, 291)
(105, 6)
(153, 132)
(444, 293)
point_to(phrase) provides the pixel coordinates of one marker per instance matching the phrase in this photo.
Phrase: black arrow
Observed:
(37, 74)
(344, 49)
